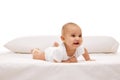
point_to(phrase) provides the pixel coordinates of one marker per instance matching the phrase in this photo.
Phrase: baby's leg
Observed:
(56, 44)
(37, 54)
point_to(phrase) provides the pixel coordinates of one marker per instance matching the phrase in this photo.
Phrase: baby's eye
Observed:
(80, 35)
(73, 35)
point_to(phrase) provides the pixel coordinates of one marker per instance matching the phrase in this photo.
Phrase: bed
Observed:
(17, 65)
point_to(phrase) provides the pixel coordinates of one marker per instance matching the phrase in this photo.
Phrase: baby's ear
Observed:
(62, 38)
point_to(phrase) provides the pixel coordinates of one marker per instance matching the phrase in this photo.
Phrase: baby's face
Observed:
(72, 37)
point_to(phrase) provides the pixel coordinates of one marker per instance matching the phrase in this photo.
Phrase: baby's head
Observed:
(71, 35)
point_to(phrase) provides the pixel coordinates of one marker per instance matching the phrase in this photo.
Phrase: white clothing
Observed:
(59, 53)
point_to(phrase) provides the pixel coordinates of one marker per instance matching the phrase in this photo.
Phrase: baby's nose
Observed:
(77, 38)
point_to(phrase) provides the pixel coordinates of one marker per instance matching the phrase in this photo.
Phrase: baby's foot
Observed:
(56, 44)
(35, 51)
(38, 54)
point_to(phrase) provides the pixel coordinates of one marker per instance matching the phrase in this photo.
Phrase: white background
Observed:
(46, 17)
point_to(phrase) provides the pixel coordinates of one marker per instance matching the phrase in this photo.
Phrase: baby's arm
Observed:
(86, 55)
(73, 59)
(70, 60)
(63, 61)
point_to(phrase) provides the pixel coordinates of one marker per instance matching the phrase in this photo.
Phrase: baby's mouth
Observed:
(76, 43)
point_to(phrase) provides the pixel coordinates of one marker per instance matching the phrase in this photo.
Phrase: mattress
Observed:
(15, 66)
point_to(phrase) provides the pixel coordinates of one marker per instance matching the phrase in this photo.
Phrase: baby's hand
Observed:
(73, 59)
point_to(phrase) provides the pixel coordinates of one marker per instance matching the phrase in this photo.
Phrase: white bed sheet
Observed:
(15, 66)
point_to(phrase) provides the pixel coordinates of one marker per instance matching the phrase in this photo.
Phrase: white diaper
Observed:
(49, 53)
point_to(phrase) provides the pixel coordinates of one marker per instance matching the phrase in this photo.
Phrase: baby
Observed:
(69, 50)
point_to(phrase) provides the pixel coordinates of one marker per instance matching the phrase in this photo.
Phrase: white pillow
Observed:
(26, 44)
(98, 44)
(92, 43)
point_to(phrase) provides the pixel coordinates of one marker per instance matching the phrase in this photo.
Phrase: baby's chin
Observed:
(76, 45)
